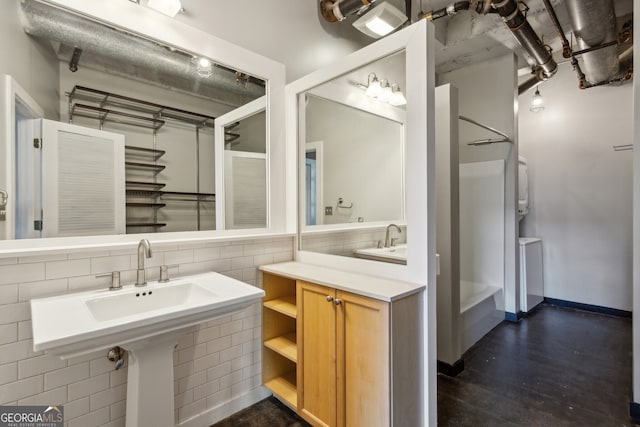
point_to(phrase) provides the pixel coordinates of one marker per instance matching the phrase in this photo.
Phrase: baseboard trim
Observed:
(588, 307)
(230, 407)
(634, 411)
(512, 317)
(451, 370)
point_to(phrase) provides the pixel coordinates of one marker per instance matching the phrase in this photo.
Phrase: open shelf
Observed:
(145, 205)
(284, 345)
(285, 305)
(146, 224)
(105, 115)
(147, 152)
(284, 388)
(143, 185)
(107, 99)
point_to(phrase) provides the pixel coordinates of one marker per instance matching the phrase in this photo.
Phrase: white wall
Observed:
(290, 32)
(362, 161)
(487, 94)
(580, 190)
(32, 64)
(636, 217)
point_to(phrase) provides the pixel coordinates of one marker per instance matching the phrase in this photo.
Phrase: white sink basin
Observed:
(80, 323)
(396, 254)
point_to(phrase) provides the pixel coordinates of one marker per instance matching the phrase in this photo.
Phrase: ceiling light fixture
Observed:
(166, 7)
(537, 103)
(380, 20)
(204, 67)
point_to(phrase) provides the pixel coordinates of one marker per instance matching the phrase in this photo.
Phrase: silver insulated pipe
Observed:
(594, 24)
(135, 57)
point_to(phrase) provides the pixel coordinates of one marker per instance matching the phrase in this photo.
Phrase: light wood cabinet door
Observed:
(316, 326)
(363, 362)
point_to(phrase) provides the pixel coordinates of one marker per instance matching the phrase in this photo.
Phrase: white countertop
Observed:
(362, 284)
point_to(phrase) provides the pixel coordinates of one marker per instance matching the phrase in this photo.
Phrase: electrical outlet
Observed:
(328, 210)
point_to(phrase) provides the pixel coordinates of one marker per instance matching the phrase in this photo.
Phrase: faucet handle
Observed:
(164, 272)
(115, 280)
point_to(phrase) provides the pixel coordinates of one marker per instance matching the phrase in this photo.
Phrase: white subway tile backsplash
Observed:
(41, 258)
(8, 333)
(238, 363)
(242, 337)
(88, 387)
(39, 365)
(8, 294)
(108, 397)
(85, 254)
(224, 395)
(25, 332)
(182, 399)
(206, 254)
(179, 257)
(231, 353)
(8, 373)
(231, 251)
(206, 334)
(20, 389)
(192, 381)
(76, 408)
(205, 390)
(8, 261)
(12, 313)
(65, 376)
(118, 377)
(70, 268)
(118, 410)
(229, 380)
(206, 362)
(183, 370)
(50, 397)
(218, 371)
(13, 352)
(120, 422)
(231, 327)
(218, 344)
(108, 264)
(191, 353)
(92, 419)
(42, 289)
(16, 273)
(192, 409)
(239, 263)
(101, 365)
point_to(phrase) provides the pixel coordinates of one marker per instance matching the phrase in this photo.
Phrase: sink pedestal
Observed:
(150, 395)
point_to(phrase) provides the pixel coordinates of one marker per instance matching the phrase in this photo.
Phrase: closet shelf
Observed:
(147, 152)
(148, 166)
(143, 186)
(105, 115)
(156, 111)
(284, 387)
(145, 205)
(146, 224)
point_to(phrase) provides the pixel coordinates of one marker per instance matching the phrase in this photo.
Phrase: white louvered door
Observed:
(83, 181)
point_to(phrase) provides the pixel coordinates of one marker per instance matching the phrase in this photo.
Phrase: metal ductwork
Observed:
(337, 10)
(594, 24)
(134, 57)
(513, 17)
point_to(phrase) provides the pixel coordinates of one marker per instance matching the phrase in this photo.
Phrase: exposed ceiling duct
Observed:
(125, 54)
(594, 24)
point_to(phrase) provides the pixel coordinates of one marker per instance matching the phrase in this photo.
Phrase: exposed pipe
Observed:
(338, 10)
(450, 10)
(528, 39)
(566, 47)
(594, 24)
(143, 57)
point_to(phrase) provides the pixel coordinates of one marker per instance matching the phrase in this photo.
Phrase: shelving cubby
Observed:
(280, 356)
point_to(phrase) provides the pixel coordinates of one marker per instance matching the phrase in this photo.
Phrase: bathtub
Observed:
(481, 310)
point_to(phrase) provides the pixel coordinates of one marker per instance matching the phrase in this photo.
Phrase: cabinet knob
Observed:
(337, 301)
(329, 298)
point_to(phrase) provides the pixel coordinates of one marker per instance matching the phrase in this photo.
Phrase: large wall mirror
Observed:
(157, 104)
(352, 200)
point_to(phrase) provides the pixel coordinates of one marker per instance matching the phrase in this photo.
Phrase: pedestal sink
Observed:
(147, 322)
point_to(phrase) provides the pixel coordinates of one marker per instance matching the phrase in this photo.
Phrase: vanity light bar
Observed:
(383, 91)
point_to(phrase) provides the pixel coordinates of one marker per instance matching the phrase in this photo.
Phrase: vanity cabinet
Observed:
(357, 358)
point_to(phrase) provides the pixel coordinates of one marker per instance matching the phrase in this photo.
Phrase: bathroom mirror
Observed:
(404, 58)
(353, 160)
(164, 100)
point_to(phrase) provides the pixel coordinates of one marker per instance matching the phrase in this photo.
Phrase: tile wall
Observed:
(213, 363)
(345, 242)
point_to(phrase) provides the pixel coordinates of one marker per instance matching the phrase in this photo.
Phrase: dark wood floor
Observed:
(556, 367)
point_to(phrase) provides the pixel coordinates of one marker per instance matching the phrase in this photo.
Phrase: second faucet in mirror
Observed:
(387, 241)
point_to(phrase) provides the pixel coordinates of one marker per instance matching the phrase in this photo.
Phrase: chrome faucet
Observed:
(386, 239)
(144, 249)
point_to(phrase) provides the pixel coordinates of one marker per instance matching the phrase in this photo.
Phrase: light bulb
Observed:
(374, 89)
(397, 99)
(537, 103)
(385, 92)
